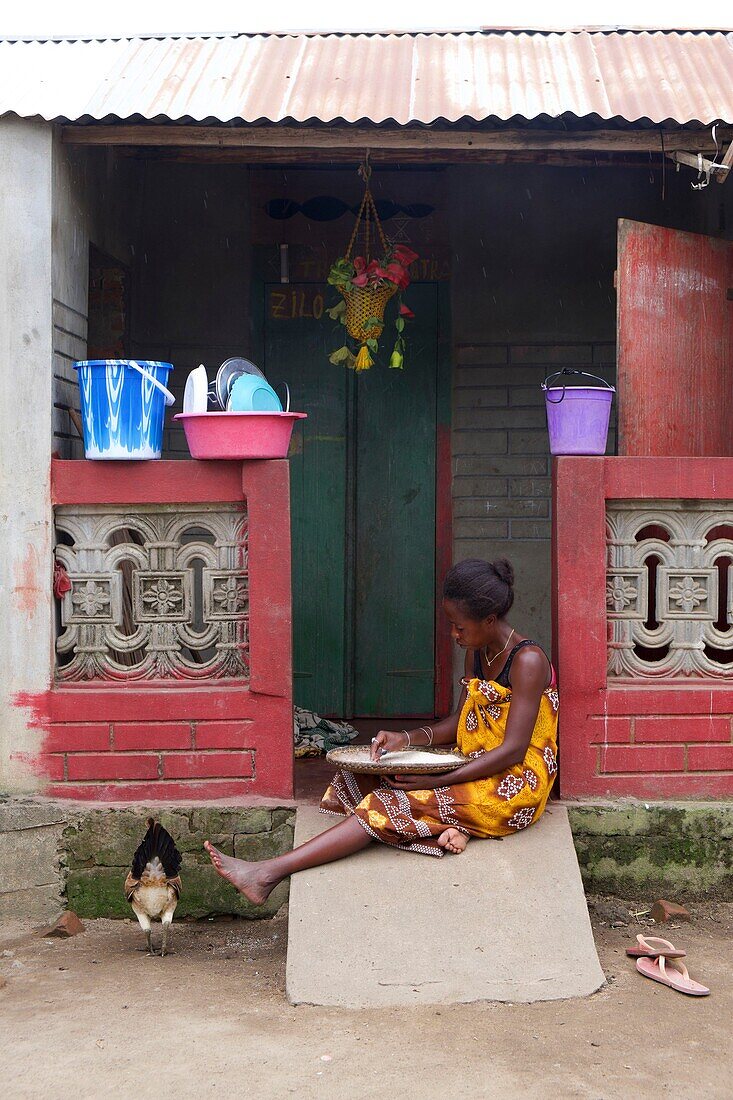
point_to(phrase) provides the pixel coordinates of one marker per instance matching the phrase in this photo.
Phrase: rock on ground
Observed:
(66, 925)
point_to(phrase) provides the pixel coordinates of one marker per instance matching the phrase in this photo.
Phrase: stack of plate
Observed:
(247, 420)
(228, 393)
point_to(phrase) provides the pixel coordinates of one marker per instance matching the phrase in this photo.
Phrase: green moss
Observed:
(98, 847)
(654, 848)
(264, 845)
(97, 892)
(109, 837)
(283, 817)
(254, 820)
(714, 820)
(205, 893)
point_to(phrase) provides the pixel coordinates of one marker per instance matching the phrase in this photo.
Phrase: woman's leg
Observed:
(257, 880)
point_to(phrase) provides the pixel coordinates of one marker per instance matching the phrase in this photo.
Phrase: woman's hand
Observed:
(419, 782)
(387, 741)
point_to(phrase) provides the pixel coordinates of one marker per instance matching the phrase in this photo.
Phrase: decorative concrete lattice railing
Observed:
(159, 592)
(173, 673)
(643, 608)
(669, 591)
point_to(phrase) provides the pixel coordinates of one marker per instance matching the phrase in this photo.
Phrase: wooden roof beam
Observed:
(395, 140)
(385, 159)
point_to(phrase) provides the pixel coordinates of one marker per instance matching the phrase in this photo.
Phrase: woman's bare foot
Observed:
(251, 879)
(453, 841)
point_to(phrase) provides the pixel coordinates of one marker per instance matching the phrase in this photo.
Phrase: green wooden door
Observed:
(297, 347)
(394, 613)
(363, 511)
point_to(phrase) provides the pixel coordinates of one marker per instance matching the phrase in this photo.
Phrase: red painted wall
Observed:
(211, 739)
(675, 342)
(620, 738)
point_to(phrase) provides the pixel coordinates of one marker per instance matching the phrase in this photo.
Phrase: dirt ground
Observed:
(95, 1016)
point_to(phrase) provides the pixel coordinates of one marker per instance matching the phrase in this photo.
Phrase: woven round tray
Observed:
(355, 758)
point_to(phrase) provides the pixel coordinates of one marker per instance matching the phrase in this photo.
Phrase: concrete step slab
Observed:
(504, 921)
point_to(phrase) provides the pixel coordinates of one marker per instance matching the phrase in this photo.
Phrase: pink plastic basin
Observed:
(239, 434)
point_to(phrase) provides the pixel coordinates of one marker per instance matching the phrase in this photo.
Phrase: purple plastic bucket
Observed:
(578, 416)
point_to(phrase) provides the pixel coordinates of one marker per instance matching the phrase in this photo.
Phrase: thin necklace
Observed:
(486, 650)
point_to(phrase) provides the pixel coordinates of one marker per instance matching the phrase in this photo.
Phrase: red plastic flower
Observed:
(367, 274)
(396, 273)
(404, 254)
(375, 271)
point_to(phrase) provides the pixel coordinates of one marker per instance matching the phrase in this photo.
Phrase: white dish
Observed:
(196, 393)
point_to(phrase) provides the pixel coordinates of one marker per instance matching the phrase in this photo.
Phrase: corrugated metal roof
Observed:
(684, 77)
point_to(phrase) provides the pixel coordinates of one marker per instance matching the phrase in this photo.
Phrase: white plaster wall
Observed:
(26, 348)
(54, 200)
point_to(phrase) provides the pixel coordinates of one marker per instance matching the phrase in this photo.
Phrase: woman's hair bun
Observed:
(483, 587)
(504, 571)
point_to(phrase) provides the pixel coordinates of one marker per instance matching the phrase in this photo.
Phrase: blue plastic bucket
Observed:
(123, 407)
(578, 416)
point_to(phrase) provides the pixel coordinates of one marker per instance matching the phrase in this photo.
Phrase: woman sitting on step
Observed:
(505, 722)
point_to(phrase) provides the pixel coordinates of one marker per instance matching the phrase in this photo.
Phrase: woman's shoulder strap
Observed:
(512, 654)
(521, 645)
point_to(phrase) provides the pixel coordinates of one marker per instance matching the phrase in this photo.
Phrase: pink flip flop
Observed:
(651, 947)
(671, 973)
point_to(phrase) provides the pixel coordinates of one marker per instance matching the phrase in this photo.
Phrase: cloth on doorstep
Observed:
(314, 736)
(493, 807)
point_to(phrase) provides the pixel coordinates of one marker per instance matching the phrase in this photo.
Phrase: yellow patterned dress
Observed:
(496, 806)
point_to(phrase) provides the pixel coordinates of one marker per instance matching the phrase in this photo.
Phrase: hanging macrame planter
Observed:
(366, 285)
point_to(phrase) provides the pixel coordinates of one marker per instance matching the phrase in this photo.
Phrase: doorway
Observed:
(363, 498)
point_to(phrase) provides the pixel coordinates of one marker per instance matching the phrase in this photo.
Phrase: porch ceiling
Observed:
(406, 78)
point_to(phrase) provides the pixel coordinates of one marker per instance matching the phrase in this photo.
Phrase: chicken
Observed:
(153, 886)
